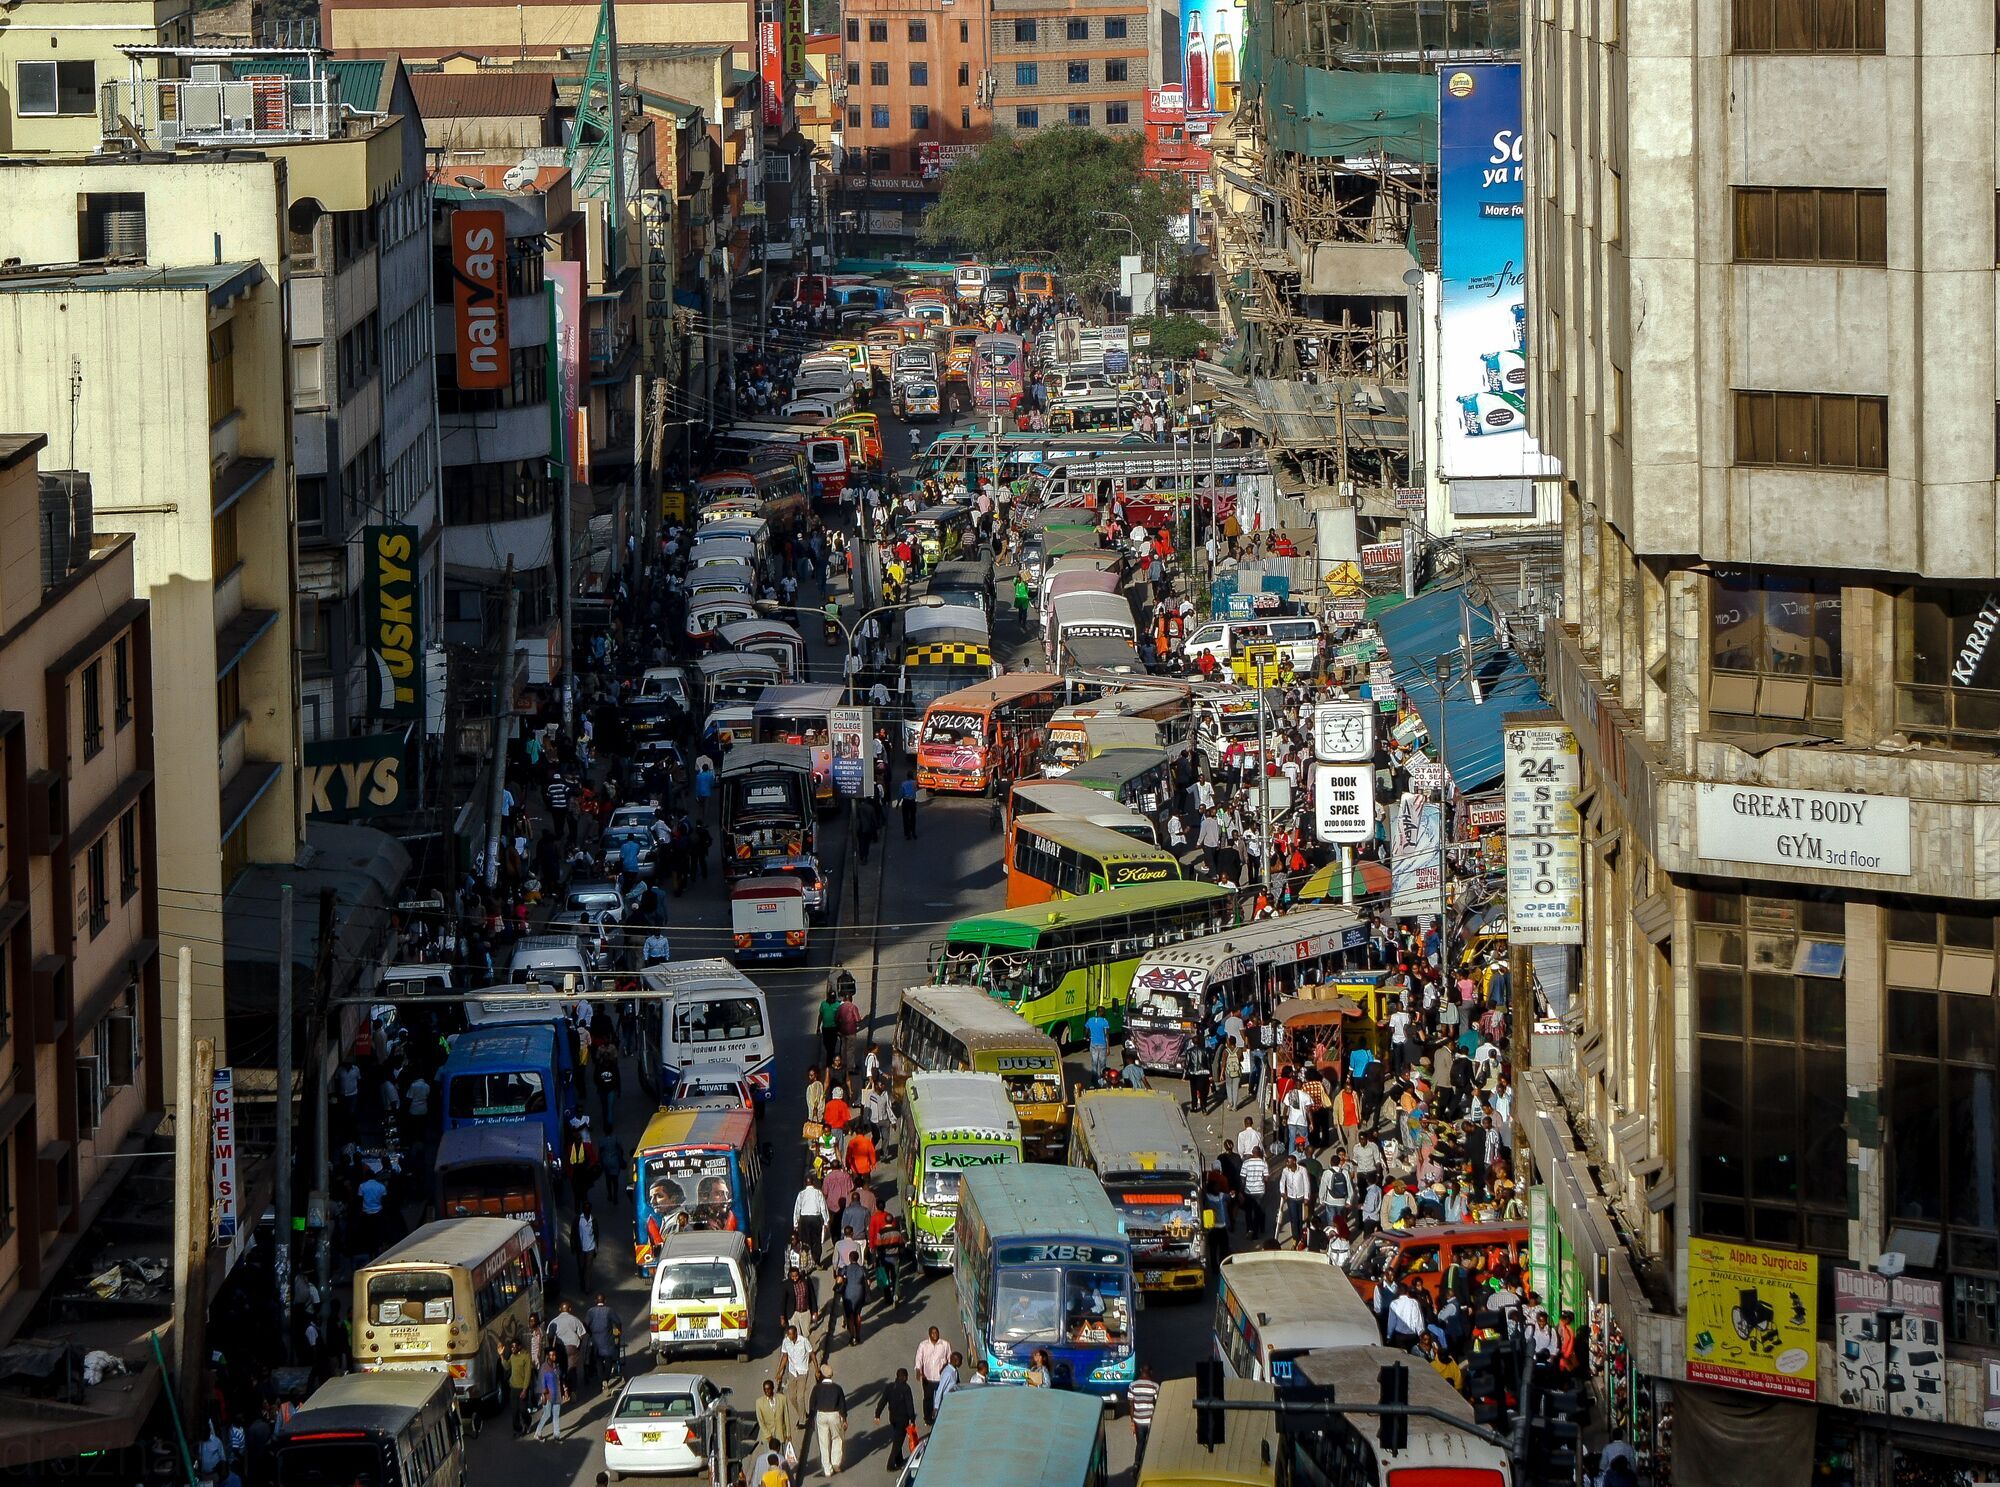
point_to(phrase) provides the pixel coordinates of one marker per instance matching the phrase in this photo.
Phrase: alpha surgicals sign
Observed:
(1814, 829)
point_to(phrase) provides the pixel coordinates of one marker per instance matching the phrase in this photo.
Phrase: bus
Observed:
(951, 1123)
(1086, 613)
(768, 809)
(945, 650)
(1060, 798)
(830, 458)
(500, 1172)
(695, 1170)
(1057, 964)
(1248, 1456)
(445, 1298)
(1271, 1306)
(375, 1429)
(999, 372)
(1174, 987)
(801, 715)
(1014, 1438)
(975, 739)
(1052, 857)
(1128, 717)
(703, 1012)
(774, 480)
(962, 1028)
(1043, 1263)
(505, 1073)
(1347, 1451)
(1136, 1142)
(1139, 778)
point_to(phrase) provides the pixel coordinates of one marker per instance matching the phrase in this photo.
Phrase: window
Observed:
(853, 74)
(964, 33)
(854, 30)
(878, 158)
(1809, 25)
(228, 700)
(1774, 650)
(878, 116)
(920, 116)
(1079, 72)
(1079, 115)
(920, 74)
(1114, 70)
(89, 1097)
(1812, 430)
(1077, 30)
(878, 30)
(1771, 1073)
(1117, 113)
(1114, 28)
(853, 116)
(1024, 32)
(98, 871)
(1948, 668)
(128, 854)
(477, 494)
(6, 1188)
(965, 81)
(920, 31)
(1027, 118)
(121, 681)
(1027, 74)
(1811, 224)
(93, 709)
(118, 1039)
(878, 74)
(221, 372)
(223, 553)
(64, 88)
(964, 116)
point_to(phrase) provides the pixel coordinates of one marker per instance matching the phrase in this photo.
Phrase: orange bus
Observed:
(974, 738)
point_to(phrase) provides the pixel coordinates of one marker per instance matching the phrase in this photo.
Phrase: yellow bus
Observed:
(961, 1027)
(446, 1298)
(1248, 1456)
(1051, 857)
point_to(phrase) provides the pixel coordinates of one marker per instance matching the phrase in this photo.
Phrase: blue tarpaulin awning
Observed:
(1416, 633)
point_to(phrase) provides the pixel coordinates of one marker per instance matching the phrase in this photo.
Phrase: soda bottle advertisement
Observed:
(1211, 56)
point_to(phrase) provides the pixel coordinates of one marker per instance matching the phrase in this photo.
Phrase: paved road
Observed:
(952, 869)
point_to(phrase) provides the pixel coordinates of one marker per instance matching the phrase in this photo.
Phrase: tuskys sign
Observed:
(1827, 830)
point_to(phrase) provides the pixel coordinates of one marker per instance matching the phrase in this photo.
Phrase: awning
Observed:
(1468, 732)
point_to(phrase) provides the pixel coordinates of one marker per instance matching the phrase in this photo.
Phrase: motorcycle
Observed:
(832, 630)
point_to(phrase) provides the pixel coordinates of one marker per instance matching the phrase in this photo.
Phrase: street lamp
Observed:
(772, 606)
(1441, 683)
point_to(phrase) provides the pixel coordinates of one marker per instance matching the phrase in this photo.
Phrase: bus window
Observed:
(399, 1296)
(496, 1095)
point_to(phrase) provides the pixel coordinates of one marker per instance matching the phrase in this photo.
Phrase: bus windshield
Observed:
(1077, 1308)
(929, 683)
(400, 1297)
(729, 1019)
(487, 1095)
(954, 728)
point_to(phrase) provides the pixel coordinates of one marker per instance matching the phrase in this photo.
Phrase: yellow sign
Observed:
(1343, 580)
(673, 506)
(1753, 1319)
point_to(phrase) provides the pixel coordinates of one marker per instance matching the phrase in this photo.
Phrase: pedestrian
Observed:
(1232, 1072)
(1253, 1177)
(853, 1294)
(1144, 1395)
(1098, 1027)
(1294, 1188)
(829, 1417)
(521, 1385)
(795, 1356)
(809, 1218)
(551, 1387)
(908, 798)
(605, 1335)
(775, 1417)
(586, 1244)
(901, 1407)
(829, 1023)
(933, 1357)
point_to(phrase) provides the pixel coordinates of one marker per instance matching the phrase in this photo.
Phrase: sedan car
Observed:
(632, 823)
(660, 1426)
(712, 1087)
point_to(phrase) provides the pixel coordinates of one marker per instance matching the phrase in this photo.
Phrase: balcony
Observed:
(223, 111)
(612, 348)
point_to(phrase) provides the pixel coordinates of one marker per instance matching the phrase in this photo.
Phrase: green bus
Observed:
(952, 1122)
(1056, 963)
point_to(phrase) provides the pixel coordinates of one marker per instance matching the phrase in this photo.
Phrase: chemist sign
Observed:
(1344, 803)
(1813, 829)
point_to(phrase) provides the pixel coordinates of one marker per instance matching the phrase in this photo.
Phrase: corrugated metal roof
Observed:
(483, 95)
(360, 78)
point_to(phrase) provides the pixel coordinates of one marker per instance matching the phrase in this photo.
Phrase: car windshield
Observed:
(636, 1406)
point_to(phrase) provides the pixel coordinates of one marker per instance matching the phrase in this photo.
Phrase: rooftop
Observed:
(15, 448)
(476, 95)
(674, 50)
(223, 282)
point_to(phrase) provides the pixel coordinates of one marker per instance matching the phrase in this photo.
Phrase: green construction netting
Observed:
(1311, 111)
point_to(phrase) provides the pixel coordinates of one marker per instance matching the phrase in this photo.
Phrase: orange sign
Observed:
(479, 292)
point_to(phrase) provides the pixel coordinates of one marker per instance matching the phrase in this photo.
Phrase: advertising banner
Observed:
(1415, 833)
(395, 629)
(1803, 828)
(771, 67)
(565, 281)
(350, 777)
(1752, 1319)
(853, 742)
(1211, 54)
(1344, 803)
(656, 214)
(479, 297)
(1117, 344)
(795, 39)
(224, 1194)
(1888, 1344)
(1482, 245)
(1543, 773)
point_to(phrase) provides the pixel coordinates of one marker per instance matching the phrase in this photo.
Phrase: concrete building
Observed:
(1758, 259)
(1085, 63)
(543, 28)
(79, 899)
(56, 56)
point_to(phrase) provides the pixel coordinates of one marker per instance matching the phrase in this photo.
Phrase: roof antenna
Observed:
(218, 247)
(75, 397)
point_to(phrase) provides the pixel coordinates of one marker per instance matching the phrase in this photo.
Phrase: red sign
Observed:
(479, 295)
(1379, 557)
(1166, 104)
(771, 60)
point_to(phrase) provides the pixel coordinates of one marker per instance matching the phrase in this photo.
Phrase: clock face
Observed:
(1344, 735)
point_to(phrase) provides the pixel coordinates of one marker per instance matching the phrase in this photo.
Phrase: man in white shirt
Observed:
(1298, 1114)
(797, 1353)
(809, 1218)
(1399, 1039)
(1406, 1320)
(1294, 1187)
(1255, 1176)
(1247, 1139)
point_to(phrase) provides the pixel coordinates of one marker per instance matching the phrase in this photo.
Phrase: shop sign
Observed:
(1486, 814)
(853, 741)
(1870, 1347)
(395, 629)
(568, 409)
(1541, 1215)
(1347, 611)
(1426, 778)
(1753, 1319)
(224, 1193)
(1544, 889)
(1992, 1415)
(349, 777)
(1812, 829)
(1543, 773)
(1410, 497)
(479, 297)
(1415, 880)
(1344, 803)
(795, 39)
(771, 69)
(1382, 557)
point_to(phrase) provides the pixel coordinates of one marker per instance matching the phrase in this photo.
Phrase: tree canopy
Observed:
(1175, 337)
(1034, 197)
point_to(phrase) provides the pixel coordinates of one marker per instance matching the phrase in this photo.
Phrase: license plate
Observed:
(650, 1437)
(409, 1345)
(699, 1332)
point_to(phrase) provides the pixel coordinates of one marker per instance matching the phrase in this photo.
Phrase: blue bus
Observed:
(499, 1171)
(1043, 1262)
(695, 1169)
(1015, 1438)
(507, 1073)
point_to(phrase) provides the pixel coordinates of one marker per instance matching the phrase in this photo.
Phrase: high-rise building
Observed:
(1085, 63)
(1777, 656)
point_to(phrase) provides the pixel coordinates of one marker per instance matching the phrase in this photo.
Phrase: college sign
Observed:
(395, 628)
(479, 297)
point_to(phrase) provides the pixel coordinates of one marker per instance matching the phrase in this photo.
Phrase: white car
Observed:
(659, 1426)
(712, 1087)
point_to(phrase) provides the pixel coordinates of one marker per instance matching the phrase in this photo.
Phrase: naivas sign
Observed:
(479, 293)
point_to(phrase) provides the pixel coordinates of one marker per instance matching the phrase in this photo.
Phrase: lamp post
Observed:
(1441, 683)
(772, 606)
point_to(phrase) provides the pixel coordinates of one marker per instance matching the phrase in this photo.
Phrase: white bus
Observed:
(703, 1012)
(1273, 1306)
(1347, 1453)
(446, 1298)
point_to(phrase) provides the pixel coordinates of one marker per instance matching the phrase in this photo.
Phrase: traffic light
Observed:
(1208, 1419)
(1555, 1436)
(1392, 1432)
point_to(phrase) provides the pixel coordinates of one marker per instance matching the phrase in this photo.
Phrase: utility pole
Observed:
(184, 1175)
(281, 1255)
(503, 706)
(197, 1201)
(322, 1146)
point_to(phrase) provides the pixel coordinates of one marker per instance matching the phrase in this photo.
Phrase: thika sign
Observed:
(1825, 829)
(479, 297)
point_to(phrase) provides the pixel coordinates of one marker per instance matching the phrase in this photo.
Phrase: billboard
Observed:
(1543, 774)
(1888, 1344)
(345, 778)
(1482, 296)
(771, 66)
(394, 626)
(853, 739)
(479, 297)
(794, 44)
(1753, 1319)
(1415, 833)
(567, 408)
(1212, 54)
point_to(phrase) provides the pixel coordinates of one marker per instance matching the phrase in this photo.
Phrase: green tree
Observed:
(1175, 337)
(1035, 197)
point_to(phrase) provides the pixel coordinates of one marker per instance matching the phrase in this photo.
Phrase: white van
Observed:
(670, 682)
(704, 1293)
(1224, 638)
(548, 958)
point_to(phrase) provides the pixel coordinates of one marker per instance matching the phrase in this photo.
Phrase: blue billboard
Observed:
(1482, 255)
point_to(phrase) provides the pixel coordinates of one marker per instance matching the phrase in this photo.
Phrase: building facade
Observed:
(1084, 63)
(1781, 558)
(80, 1065)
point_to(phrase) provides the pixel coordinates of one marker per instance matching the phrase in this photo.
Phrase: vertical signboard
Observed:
(657, 217)
(224, 1195)
(1888, 1344)
(479, 297)
(1482, 246)
(1415, 834)
(1753, 1319)
(1543, 773)
(566, 346)
(853, 742)
(771, 67)
(395, 628)
(1211, 55)
(795, 39)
